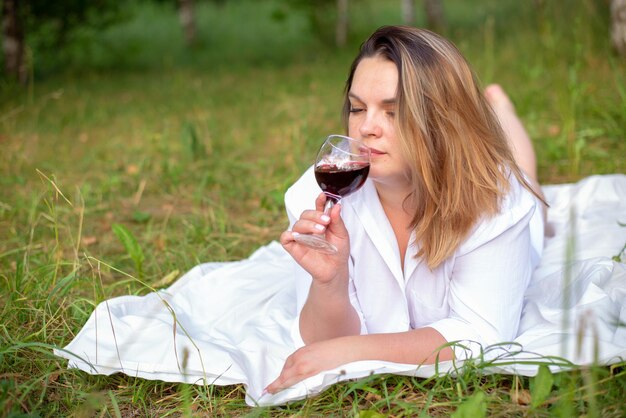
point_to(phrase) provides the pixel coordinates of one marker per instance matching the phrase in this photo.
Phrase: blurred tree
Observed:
(187, 20)
(618, 25)
(13, 40)
(408, 12)
(54, 19)
(435, 18)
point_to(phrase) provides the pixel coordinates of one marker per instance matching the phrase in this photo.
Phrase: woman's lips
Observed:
(375, 152)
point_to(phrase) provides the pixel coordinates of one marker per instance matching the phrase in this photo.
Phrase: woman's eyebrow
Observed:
(354, 96)
(392, 100)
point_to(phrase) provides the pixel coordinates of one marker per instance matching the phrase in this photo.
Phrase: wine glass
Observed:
(341, 168)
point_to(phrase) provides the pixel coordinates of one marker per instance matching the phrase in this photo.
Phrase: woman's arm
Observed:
(418, 346)
(327, 312)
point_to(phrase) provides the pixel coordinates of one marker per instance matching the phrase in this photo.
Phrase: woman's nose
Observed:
(371, 126)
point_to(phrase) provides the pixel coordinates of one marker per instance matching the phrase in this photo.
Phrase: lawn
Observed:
(191, 150)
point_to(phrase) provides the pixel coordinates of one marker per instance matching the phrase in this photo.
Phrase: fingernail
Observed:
(319, 227)
(265, 392)
(295, 234)
(325, 218)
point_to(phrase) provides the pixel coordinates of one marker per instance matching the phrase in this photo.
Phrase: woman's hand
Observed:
(311, 360)
(416, 346)
(323, 267)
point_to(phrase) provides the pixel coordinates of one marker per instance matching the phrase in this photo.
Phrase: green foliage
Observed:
(61, 26)
(69, 14)
(474, 406)
(141, 217)
(370, 414)
(146, 35)
(541, 386)
(321, 16)
(194, 145)
(133, 249)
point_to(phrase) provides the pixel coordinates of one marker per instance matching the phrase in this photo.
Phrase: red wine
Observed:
(338, 181)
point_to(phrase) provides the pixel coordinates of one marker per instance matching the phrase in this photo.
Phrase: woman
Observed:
(435, 254)
(438, 247)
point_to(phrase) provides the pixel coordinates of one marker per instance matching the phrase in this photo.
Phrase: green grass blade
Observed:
(129, 242)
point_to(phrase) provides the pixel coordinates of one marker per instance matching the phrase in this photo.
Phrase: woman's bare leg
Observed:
(516, 134)
(519, 140)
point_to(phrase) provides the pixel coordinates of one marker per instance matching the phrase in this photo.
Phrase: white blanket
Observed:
(228, 323)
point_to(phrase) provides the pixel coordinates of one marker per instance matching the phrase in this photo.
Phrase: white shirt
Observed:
(475, 296)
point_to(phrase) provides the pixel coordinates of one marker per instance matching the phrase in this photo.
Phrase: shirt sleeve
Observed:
(490, 275)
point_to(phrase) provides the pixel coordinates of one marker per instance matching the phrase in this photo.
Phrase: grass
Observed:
(190, 152)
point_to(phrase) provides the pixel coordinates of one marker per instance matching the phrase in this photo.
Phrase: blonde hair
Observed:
(459, 155)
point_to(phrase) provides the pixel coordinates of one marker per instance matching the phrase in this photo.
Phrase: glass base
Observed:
(317, 242)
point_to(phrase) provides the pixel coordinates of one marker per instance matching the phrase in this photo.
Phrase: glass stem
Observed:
(328, 205)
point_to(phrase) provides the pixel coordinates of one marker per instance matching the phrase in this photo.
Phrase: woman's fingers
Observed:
(311, 222)
(304, 226)
(336, 225)
(310, 360)
(320, 201)
(287, 238)
(312, 215)
(293, 371)
(315, 222)
(282, 382)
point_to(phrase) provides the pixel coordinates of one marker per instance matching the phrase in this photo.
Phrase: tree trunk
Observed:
(13, 41)
(408, 12)
(435, 18)
(341, 33)
(187, 20)
(618, 26)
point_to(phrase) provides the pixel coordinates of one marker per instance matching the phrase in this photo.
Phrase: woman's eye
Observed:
(355, 110)
(391, 114)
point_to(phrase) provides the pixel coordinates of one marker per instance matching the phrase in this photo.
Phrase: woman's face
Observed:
(373, 105)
